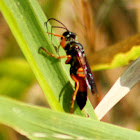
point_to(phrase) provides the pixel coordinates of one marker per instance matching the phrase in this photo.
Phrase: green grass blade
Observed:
(117, 55)
(30, 36)
(26, 21)
(39, 123)
(15, 77)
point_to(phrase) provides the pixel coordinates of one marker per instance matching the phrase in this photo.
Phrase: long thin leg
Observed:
(55, 34)
(58, 57)
(75, 92)
(62, 43)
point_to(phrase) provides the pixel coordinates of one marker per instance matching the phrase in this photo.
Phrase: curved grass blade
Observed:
(117, 55)
(15, 77)
(39, 123)
(26, 21)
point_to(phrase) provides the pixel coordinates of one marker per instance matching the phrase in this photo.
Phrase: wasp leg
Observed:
(58, 57)
(62, 37)
(55, 34)
(75, 92)
(68, 59)
(87, 115)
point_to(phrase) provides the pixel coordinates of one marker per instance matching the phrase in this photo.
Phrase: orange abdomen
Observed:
(81, 97)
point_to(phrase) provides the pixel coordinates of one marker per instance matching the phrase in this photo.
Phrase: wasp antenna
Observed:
(46, 24)
(59, 27)
(40, 50)
(64, 27)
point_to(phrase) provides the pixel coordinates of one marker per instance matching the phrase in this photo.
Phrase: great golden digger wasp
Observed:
(80, 71)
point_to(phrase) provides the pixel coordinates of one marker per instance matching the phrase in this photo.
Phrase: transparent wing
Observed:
(87, 71)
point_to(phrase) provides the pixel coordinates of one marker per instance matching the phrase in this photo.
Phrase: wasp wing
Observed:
(87, 71)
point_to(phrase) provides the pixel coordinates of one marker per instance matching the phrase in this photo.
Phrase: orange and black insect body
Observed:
(80, 71)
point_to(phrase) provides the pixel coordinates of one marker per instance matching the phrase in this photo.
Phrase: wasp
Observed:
(80, 71)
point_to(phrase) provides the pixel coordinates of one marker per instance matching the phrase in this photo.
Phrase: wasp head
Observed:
(69, 36)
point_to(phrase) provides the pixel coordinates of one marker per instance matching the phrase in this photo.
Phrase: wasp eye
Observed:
(66, 33)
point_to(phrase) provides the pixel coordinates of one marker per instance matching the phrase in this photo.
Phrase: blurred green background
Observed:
(98, 24)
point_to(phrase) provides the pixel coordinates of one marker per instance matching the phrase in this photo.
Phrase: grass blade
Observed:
(121, 88)
(39, 123)
(26, 21)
